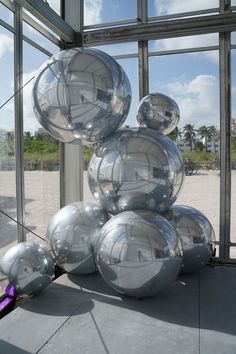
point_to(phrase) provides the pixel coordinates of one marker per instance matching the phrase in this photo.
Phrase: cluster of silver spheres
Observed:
(133, 234)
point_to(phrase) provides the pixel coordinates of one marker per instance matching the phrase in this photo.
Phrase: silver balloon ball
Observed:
(136, 168)
(28, 266)
(72, 233)
(139, 253)
(158, 112)
(81, 93)
(196, 233)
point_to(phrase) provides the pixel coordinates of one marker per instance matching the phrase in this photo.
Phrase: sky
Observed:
(192, 80)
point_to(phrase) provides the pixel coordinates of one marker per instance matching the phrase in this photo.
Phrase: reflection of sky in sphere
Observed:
(134, 254)
(81, 93)
(136, 169)
(159, 112)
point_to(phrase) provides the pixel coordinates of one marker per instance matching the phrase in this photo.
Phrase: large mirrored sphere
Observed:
(81, 93)
(72, 233)
(196, 233)
(158, 112)
(136, 168)
(139, 253)
(28, 266)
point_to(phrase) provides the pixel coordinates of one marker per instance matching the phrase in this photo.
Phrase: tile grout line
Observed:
(99, 333)
(58, 329)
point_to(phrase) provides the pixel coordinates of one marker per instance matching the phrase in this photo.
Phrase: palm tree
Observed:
(205, 134)
(176, 134)
(215, 135)
(189, 135)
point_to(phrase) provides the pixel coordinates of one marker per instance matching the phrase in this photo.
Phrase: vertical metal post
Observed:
(143, 51)
(225, 138)
(19, 131)
(71, 155)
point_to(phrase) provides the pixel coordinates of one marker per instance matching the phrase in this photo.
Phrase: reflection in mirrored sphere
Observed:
(72, 233)
(28, 266)
(139, 253)
(81, 93)
(158, 112)
(196, 233)
(136, 168)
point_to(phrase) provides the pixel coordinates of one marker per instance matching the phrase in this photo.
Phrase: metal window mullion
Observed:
(19, 131)
(143, 52)
(71, 155)
(7, 26)
(225, 139)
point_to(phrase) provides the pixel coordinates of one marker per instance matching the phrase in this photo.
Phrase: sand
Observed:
(42, 201)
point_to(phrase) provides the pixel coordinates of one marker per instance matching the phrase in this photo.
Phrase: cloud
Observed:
(92, 11)
(198, 100)
(6, 44)
(30, 121)
(191, 42)
(165, 7)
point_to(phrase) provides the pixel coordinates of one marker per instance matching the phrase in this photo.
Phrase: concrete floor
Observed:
(81, 314)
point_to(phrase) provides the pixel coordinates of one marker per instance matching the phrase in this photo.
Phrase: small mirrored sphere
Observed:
(72, 233)
(28, 266)
(136, 168)
(139, 253)
(196, 233)
(158, 112)
(81, 93)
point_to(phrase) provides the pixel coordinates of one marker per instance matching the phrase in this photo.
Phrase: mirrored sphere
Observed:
(81, 93)
(72, 233)
(139, 253)
(136, 168)
(196, 233)
(28, 266)
(158, 112)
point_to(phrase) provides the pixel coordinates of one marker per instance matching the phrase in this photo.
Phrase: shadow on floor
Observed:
(11, 349)
(206, 303)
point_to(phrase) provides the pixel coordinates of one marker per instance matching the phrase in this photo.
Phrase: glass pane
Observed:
(41, 158)
(100, 11)
(232, 253)
(55, 5)
(169, 7)
(8, 229)
(184, 42)
(192, 81)
(233, 37)
(38, 38)
(120, 48)
(6, 15)
(233, 156)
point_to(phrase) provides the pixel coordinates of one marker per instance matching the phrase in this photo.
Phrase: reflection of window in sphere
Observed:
(81, 93)
(138, 253)
(72, 233)
(136, 168)
(29, 267)
(158, 112)
(196, 233)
